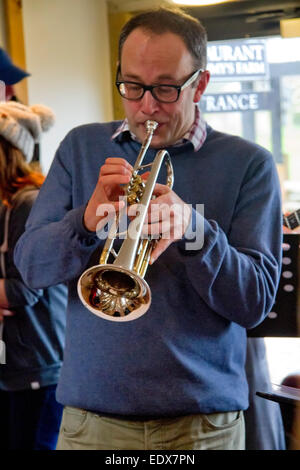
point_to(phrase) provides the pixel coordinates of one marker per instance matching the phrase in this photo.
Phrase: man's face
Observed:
(152, 59)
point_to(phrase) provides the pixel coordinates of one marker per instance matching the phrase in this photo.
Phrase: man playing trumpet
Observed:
(174, 378)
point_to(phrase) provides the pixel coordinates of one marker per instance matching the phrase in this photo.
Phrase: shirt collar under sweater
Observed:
(196, 134)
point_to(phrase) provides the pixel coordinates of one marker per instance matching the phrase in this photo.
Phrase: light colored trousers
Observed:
(82, 430)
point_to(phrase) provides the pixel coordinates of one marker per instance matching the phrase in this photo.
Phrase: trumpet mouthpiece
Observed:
(151, 126)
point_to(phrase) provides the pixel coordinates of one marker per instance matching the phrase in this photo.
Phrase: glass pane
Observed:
(254, 92)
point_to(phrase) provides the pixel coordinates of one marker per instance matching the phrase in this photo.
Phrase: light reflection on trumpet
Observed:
(118, 291)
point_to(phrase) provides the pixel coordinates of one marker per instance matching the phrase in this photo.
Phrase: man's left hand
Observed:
(167, 219)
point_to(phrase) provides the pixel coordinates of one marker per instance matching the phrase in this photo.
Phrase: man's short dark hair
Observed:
(170, 20)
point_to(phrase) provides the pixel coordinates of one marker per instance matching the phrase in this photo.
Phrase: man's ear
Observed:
(202, 84)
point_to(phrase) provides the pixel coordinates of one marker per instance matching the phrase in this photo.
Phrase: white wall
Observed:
(67, 53)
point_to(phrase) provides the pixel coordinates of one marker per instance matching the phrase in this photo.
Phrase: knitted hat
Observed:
(23, 125)
(10, 73)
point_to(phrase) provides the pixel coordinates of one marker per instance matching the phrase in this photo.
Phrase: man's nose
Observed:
(149, 105)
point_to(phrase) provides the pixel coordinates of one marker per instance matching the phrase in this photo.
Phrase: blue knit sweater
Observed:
(34, 335)
(187, 353)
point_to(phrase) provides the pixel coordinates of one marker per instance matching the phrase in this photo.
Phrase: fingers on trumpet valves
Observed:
(120, 162)
(116, 166)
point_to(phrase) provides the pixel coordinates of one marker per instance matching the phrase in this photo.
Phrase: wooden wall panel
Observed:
(15, 42)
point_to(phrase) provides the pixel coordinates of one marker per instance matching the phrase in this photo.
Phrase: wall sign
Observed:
(237, 60)
(230, 102)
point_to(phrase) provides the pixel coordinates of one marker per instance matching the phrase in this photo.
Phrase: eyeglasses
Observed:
(164, 93)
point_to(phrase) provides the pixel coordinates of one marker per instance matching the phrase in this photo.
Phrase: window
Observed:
(254, 92)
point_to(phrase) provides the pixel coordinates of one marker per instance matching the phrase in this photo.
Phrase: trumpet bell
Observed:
(114, 293)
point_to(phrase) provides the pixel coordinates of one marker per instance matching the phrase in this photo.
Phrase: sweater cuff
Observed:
(88, 238)
(75, 217)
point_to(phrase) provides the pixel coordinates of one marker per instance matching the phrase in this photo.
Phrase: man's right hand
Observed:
(114, 172)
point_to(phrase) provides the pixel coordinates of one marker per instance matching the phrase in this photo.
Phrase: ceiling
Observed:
(234, 19)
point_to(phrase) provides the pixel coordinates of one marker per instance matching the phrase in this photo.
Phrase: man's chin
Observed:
(158, 145)
(158, 140)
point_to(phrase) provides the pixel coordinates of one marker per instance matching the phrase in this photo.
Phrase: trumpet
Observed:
(117, 291)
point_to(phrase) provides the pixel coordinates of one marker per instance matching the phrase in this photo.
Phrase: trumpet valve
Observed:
(135, 190)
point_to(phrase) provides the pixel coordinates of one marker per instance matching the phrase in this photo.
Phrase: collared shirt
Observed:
(196, 134)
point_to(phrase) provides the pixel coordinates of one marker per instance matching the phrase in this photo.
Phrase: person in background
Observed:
(291, 413)
(263, 419)
(32, 321)
(174, 378)
(10, 74)
(264, 422)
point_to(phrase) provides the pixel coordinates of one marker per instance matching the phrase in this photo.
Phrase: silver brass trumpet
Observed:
(118, 291)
